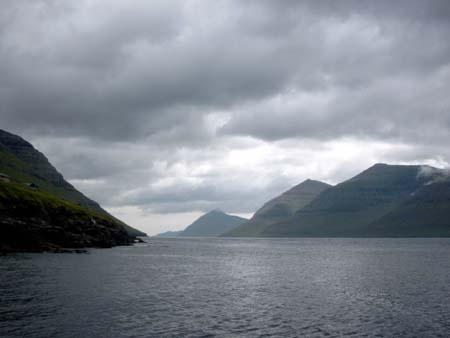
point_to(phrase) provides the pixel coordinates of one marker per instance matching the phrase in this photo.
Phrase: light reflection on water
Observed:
(232, 288)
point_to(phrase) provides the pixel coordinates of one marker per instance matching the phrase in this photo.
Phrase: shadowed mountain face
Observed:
(212, 224)
(38, 206)
(425, 214)
(374, 203)
(19, 159)
(280, 208)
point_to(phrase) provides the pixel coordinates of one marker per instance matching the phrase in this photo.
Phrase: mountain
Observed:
(280, 208)
(384, 201)
(425, 213)
(169, 234)
(38, 206)
(19, 159)
(212, 224)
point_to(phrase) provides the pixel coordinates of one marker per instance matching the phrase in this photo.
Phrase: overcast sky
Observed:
(162, 110)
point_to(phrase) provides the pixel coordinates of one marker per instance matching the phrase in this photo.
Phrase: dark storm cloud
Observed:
(384, 70)
(413, 110)
(400, 10)
(126, 72)
(115, 74)
(153, 99)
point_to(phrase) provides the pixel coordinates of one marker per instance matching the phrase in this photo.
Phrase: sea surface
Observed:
(231, 288)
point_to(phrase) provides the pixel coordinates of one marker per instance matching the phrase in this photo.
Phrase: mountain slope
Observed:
(212, 224)
(39, 209)
(20, 160)
(280, 208)
(424, 214)
(347, 209)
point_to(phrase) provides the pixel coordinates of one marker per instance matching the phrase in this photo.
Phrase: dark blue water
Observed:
(232, 288)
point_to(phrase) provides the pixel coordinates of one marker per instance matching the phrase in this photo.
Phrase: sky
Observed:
(164, 110)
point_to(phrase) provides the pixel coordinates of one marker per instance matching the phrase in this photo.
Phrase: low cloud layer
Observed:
(171, 107)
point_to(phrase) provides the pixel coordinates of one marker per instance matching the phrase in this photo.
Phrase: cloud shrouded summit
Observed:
(182, 106)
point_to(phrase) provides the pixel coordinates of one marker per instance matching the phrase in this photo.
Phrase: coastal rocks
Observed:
(36, 226)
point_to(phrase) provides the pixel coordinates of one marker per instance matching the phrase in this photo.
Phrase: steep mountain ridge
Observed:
(280, 208)
(352, 208)
(32, 165)
(19, 159)
(36, 189)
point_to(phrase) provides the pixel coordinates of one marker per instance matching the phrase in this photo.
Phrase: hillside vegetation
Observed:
(39, 209)
(383, 201)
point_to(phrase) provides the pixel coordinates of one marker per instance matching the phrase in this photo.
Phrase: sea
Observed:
(221, 287)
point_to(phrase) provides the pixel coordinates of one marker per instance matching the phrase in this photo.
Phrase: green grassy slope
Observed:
(36, 220)
(280, 208)
(348, 208)
(424, 214)
(20, 160)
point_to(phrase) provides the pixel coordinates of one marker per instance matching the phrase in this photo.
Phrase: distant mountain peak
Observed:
(392, 173)
(307, 185)
(215, 211)
(381, 166)
(309, 181)
(281, 207)
(387, 173)
(212, 224)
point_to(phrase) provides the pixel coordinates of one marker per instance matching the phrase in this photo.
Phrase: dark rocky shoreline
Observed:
(53, 234)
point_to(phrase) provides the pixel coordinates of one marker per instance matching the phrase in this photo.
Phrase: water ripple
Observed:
(231, 288)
